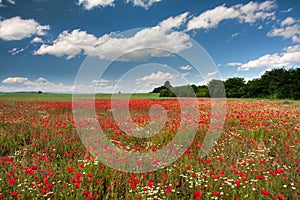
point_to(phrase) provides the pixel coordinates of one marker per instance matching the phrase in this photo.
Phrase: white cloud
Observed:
(288, 21)
(156, 78)
(41, 79)
(143, 3)
(100, 81)
(11, 1)
(187, 67)
(42, 84)
(211, 75)
(185, 74)
(287, 11)
(234, 64)
(90, 4)
(289, 56)
(37, 40)
(15, 51)
(248, 13)
(69, 44)
(254, 11)
(110, 46)
(16, 28)
(13, 80)
(235, 35)
(208, 77)
(211, 18)
(8, 1)
(289, 29)
(173, 22)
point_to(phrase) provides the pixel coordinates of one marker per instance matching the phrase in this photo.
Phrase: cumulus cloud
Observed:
(234, 64)
(42, 84)
(148, 42)
(287, 11)
(37, 40)
(158, 77)
(289, 29)
(11, 1)
(90, 4)
(290, 56)
(13, 80)
(210, 75)
(187, 67)
(143, 3)
(288, 21)
(100, 81)
(248, 13)
(70, 44)
(17, 28)
(15, 51)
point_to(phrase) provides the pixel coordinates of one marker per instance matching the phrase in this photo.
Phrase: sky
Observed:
(135, 45)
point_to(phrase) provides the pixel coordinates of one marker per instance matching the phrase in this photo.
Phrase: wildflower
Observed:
(197, 194)
(70, 169)
(90, 175)
(280, 196)
(12, 181)
(238, 183)
(14, 194)
(259, 177)
(78, 175)
(265, 192)
(86, 193)
(216, 193)
(133, 186)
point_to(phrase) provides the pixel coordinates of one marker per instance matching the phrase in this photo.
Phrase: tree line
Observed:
(278, 83)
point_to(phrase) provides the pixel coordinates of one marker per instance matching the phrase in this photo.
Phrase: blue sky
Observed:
(44, 43)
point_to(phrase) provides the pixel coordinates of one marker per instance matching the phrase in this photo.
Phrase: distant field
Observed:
(68, 97)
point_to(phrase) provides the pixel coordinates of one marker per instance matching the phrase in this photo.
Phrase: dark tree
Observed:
(235, 87)
(216, 88)
(167, 84)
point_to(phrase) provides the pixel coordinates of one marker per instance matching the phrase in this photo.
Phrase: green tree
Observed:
(235, 87)
(216, 88)
(167, 84)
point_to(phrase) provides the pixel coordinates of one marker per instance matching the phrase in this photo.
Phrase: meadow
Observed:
(42, 156)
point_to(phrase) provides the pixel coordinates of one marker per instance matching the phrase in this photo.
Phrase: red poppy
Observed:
(265, 192)
(216, 193)
(70, 169)
(280, 196)
(86, 193)
(197, 194)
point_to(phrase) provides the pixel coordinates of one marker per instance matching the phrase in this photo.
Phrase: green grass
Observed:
(68, 97)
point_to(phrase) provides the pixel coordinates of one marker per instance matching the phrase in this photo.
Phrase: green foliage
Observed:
(278, 83)
(275, 84)
(235, 87)
(166, 93)
(216, 88)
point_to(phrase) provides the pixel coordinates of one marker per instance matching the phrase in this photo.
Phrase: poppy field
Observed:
(256, 156)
